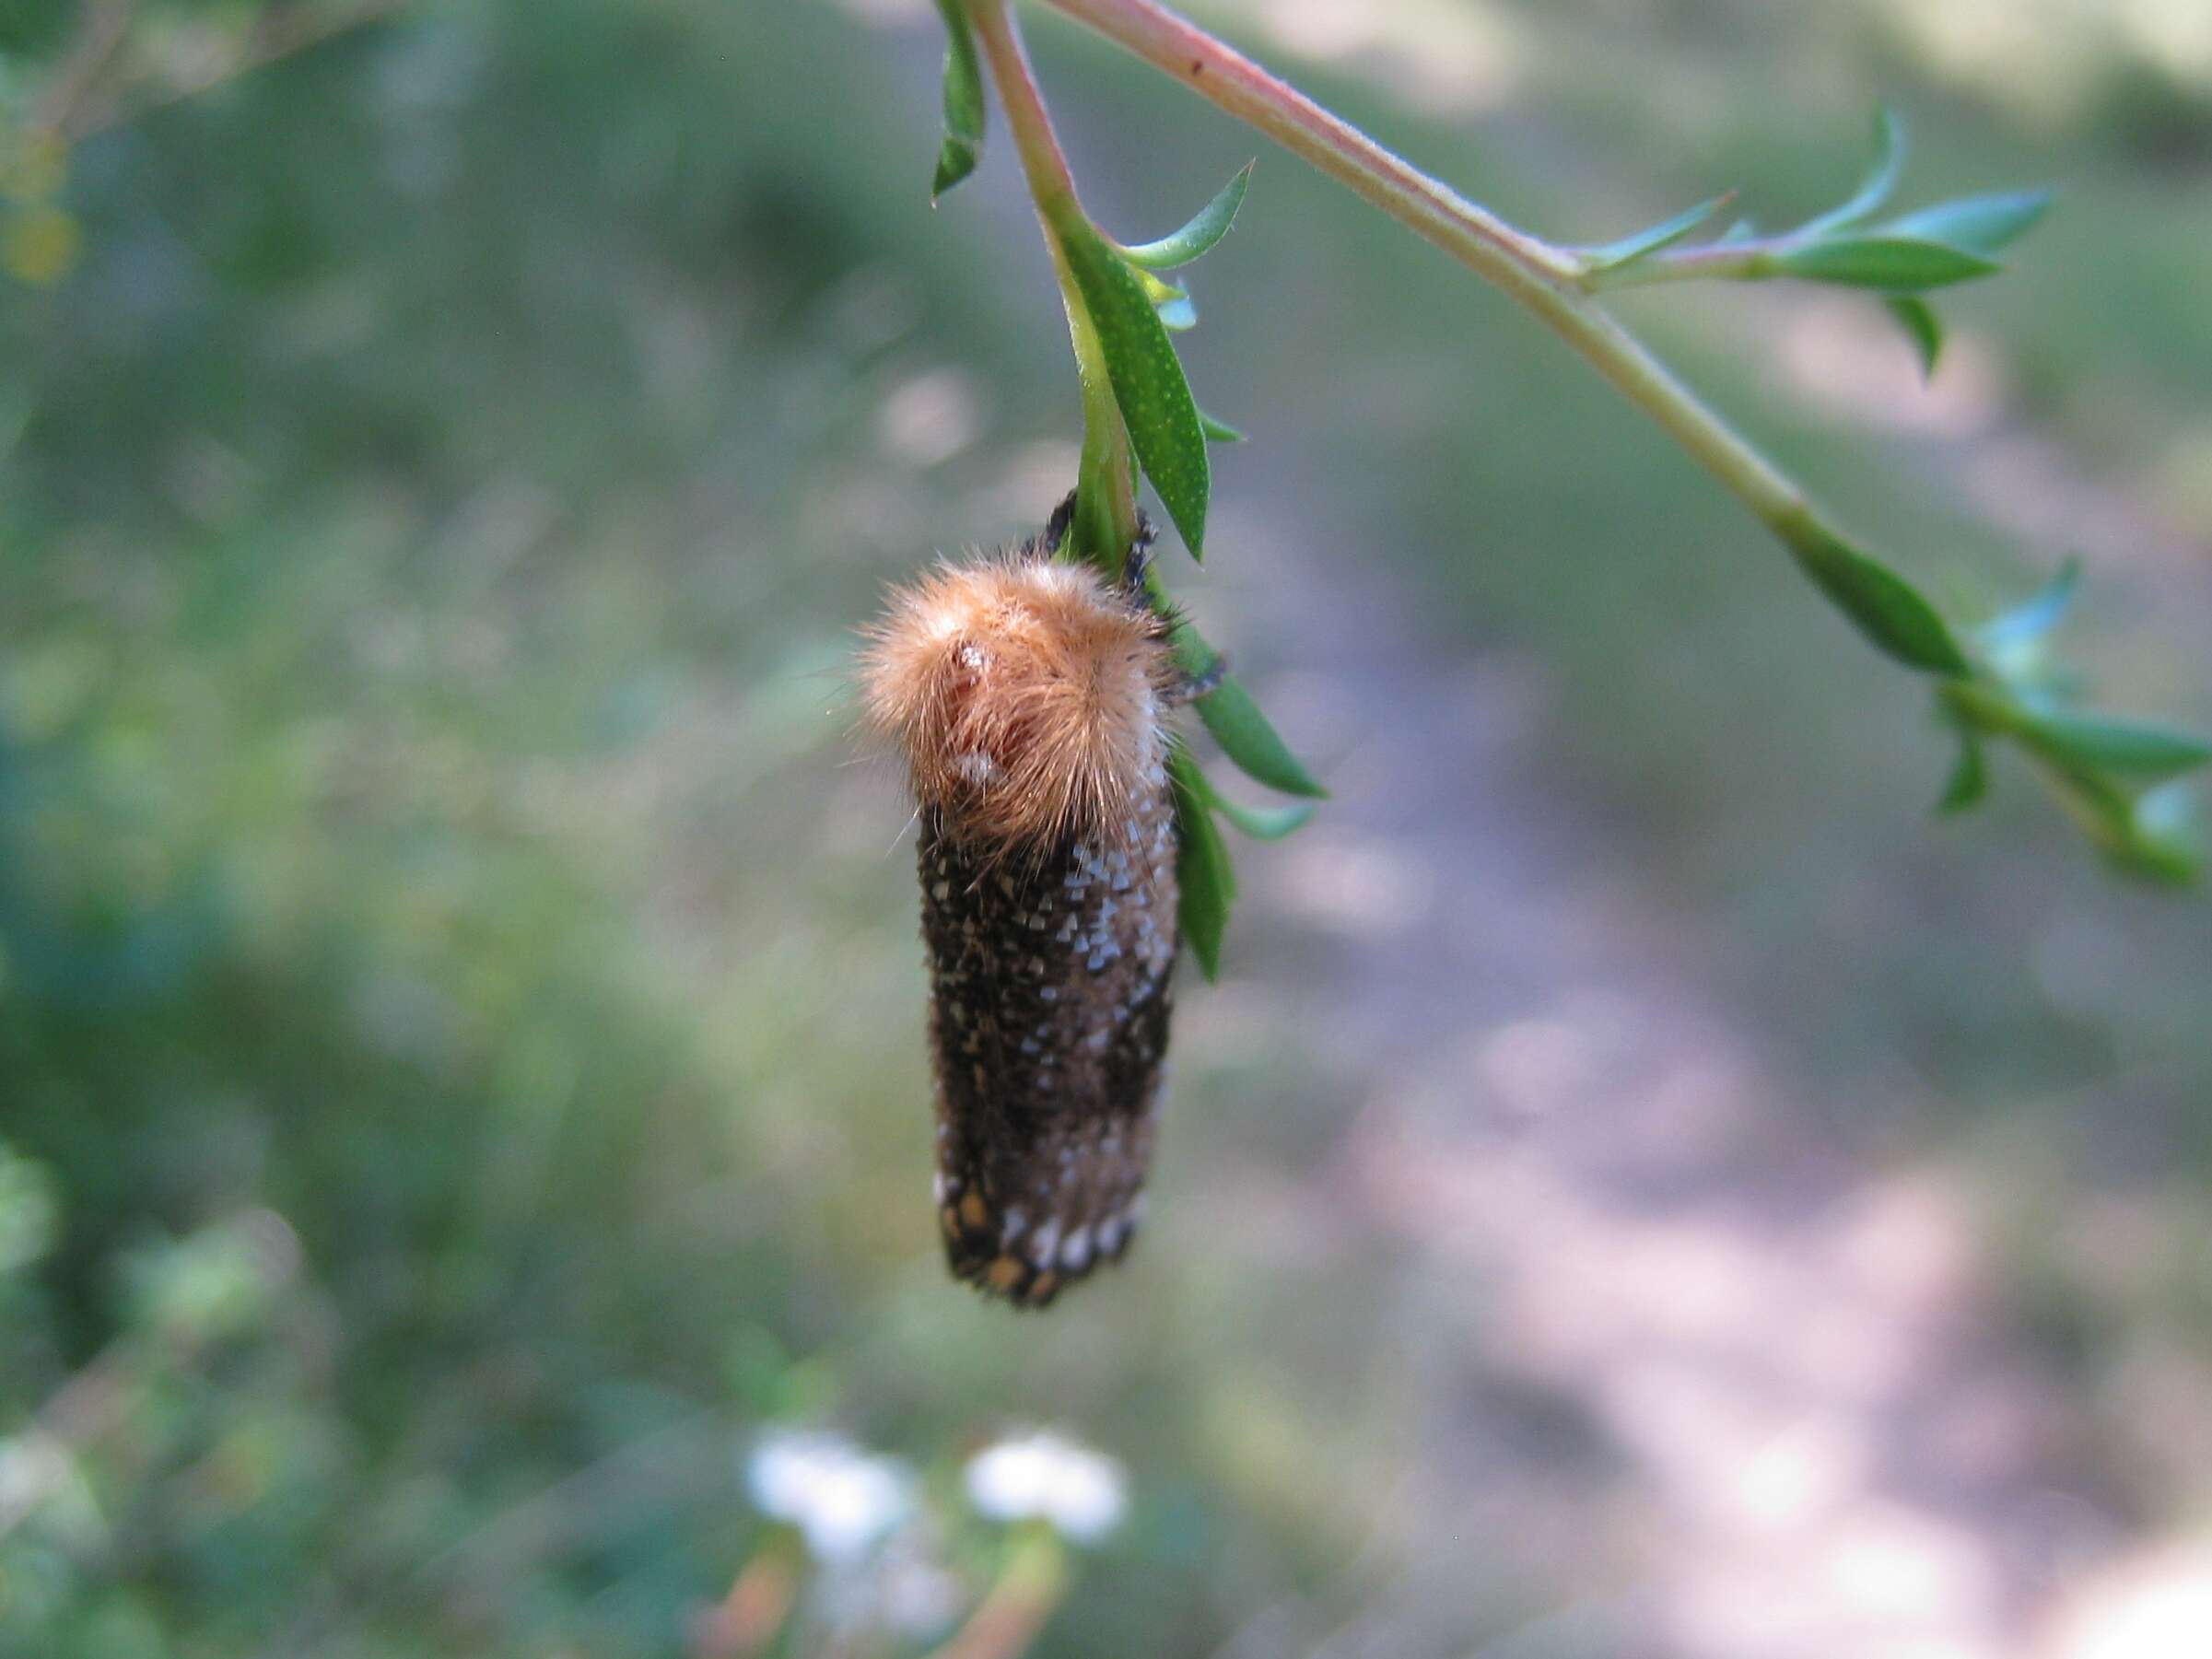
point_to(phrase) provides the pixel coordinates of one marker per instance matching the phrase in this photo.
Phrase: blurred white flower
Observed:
(842, 1499)
(1042, 1476)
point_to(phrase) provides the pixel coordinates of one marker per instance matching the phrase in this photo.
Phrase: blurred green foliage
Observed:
(449, 1099)
(460, 1026)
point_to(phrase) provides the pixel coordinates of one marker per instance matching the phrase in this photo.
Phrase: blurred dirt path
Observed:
(1797, 1435)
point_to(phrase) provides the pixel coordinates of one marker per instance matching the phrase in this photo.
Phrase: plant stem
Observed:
(1504, 254)
(1546, 279)
(1033, 1583)
(100, 32)
(1741, 261)
(278, 34)
(1106, 508)
(1042, 163)
(750, 1614)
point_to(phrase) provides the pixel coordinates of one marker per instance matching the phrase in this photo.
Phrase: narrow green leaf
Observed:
(1642, 244)
(2166, 834)
(1202, 234)
(1919, 322)
(956, 161)
(1896, 263)
(2156, 858)
(1262, 823)
(1204, 872)
(963, 103)
(1968, 779)
(2027, 624)
(1893, 614)
(1247, 737)
(2100, 812)
(1217, 431)
(2134, 749)
(1880, 180)
(2115, 779)
(1147, 377)
(1983, 225)
(2151, 843)
(1252, 745)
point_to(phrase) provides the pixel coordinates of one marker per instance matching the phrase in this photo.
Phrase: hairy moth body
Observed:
(1030, 697)
(1050, 988)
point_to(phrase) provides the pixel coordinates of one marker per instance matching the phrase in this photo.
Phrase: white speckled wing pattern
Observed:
(1051, 985)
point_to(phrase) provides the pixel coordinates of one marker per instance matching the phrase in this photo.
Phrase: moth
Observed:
(1030, 698)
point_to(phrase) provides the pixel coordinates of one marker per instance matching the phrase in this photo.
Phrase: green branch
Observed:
(1119, 312)
(1105, 506)
(1547, 280)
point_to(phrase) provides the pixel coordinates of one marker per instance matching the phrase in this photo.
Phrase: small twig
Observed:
(79, 1414)
(279, 35)
(104, 25)
(1010, 1616)
(747, 1618)
(1724, 262)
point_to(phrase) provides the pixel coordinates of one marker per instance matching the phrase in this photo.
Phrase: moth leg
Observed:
(1056, 527)
(1189, 688)
(1139, 562)
(1134, 565)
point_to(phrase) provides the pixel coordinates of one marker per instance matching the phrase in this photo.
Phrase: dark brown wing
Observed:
(1051, 989)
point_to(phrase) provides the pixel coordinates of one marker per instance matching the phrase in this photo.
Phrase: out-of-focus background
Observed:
(1641, 1189)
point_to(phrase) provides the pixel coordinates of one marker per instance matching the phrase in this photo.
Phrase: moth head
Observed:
(1026, 694)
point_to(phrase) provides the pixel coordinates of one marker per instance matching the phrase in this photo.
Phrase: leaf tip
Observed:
(1921, 327)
